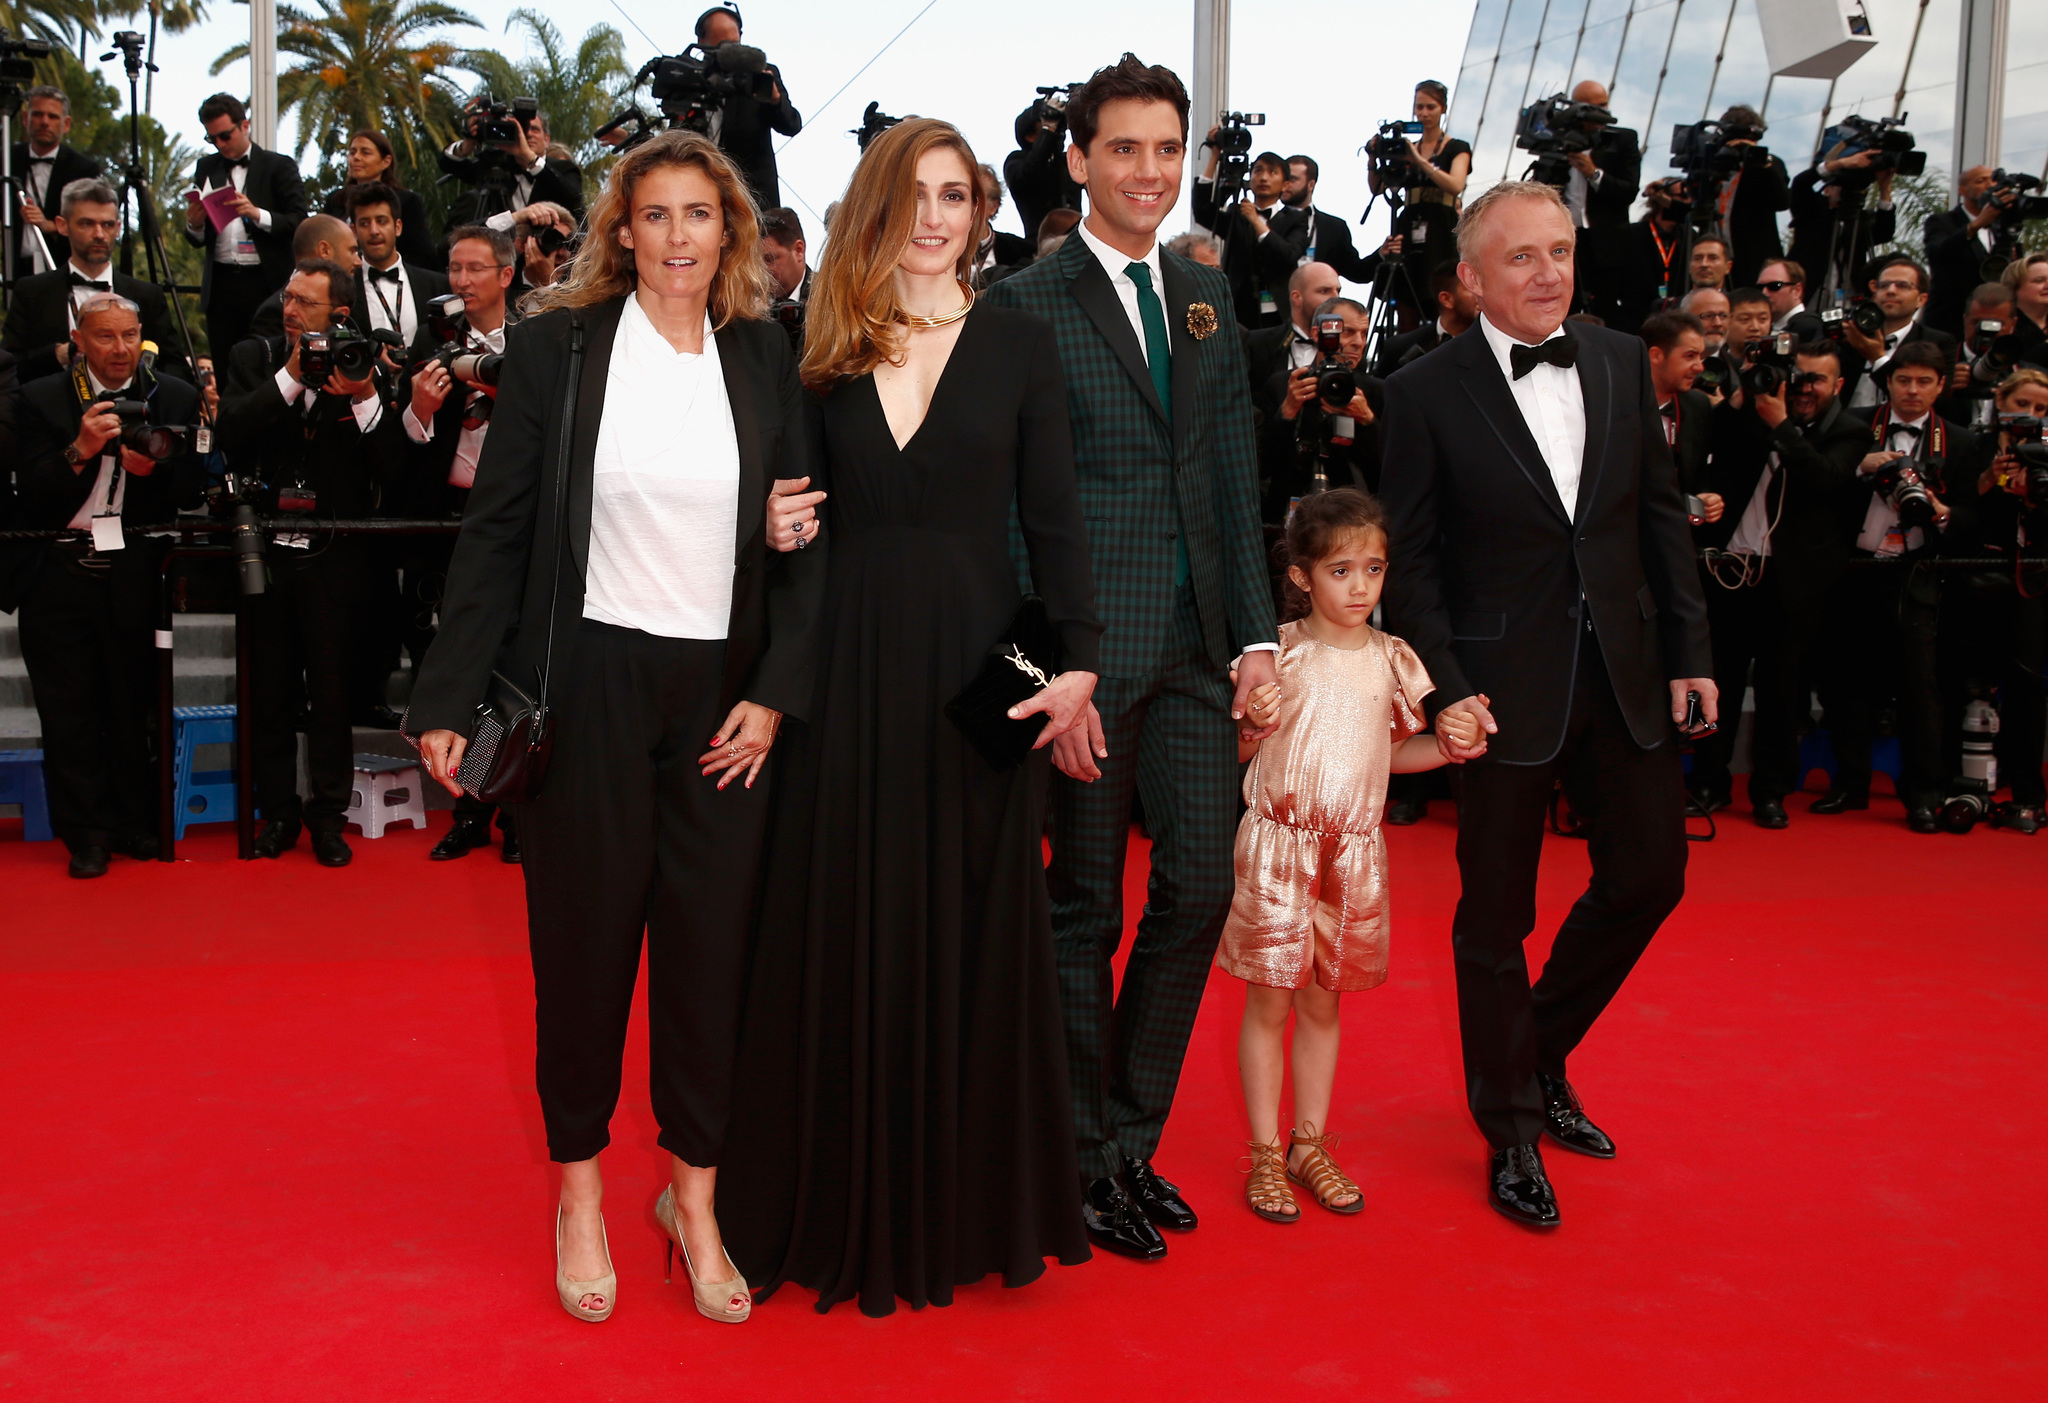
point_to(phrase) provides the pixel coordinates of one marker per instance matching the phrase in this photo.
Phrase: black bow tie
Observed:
(1669, 409)
(1898, 428)
(81, 280)
(242, 161)
(42, 160)
(1560, 351)
(389, 275)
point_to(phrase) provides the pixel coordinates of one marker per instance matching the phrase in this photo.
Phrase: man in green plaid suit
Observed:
(1165, 454)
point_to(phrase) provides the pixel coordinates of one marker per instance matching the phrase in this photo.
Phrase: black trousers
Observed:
(303, 627)
(1773, 629)
(1991, 639)
(627, 836)
(85, 637)
(231, 304)
(1882, 623)
(1631, 802)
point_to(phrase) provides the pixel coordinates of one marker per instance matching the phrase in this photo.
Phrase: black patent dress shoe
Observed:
(1838, 801)
(457, 841)
(1116, 1224)
(1770, 813)
(2020, 818)
(1564, 1120)
(1158, 1199)
(1709, 801)
(1923, 818)
(330, 849)
(1518, 1188)
(90, 861)
(142, 847)
(279, 836)
(1406, 813)
(509, 849)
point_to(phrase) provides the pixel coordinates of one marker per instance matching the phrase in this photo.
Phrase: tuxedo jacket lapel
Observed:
(1490, 395)
(1596, 387)
(1178, 296)
(1090, 287)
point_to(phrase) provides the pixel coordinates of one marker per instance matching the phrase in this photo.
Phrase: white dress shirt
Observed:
(1577, 186)
(1301, 348)
(664, 505)
(382, 300)
(1867, 394)
(1880, 522)
(37, 180)
(79, 294)
(1116, 263)
(228, 243)
(1553, 406)
(1753, 533)
(110, 488)
(470, 445)
(1778, 324)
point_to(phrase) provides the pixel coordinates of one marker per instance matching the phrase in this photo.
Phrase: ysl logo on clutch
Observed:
(1026, 666)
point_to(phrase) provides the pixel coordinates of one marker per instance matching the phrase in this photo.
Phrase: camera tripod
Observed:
(1385, 297)
(135, 185)
(11, 96)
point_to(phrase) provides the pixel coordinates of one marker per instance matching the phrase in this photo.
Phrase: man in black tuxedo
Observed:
(1649, 259)
(1256, 262)
(745, 128)
(1547, 583)
(1036, 172)
(1785, 463)
(88, 602)
(1898, 287)
(445, 422)
(319, 236)
(1275, 350)
(325, 438)
(1783, 283)
(1307, 438)
(1958, 241)
(507, 176)
(252, 256)
(1456, 309)
(1316, 236)
(44, 164)
(1677, 344)
(1752, 197)
(44, 308)
(1825, 198)
(1600, 187)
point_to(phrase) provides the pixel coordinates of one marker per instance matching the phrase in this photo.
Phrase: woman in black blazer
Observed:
(371, 161)
(672, 622)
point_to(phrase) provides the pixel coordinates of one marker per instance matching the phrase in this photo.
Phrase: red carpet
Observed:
(271, 1134)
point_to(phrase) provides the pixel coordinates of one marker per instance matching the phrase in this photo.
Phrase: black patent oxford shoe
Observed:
(330, 849)
(1116, 1224)
(1923, 818)
(1158, 1199)
(1564, 1120)
(1770, 813)
(89, 861)
(466, 833)
(279, 836)
(1518, 1188)
(1838, 801)
(508, 850)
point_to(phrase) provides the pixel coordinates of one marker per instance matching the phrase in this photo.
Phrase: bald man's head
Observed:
(1591, 91)
(324, 236)
(1308, 287)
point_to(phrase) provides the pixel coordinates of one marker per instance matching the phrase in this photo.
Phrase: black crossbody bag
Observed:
(506, 759)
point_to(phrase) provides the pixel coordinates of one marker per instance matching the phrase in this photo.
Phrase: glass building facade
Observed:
(1671, 62)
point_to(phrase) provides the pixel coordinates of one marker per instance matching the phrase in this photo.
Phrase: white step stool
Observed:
(386, 791)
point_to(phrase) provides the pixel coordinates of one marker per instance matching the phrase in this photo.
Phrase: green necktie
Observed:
(1159, 360)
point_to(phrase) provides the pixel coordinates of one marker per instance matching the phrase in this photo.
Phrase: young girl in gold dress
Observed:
(1309, 920)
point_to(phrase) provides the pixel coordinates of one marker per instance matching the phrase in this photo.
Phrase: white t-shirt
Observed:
(664, 506)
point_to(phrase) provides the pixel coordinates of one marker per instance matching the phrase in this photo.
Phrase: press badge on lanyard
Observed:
(106, 526)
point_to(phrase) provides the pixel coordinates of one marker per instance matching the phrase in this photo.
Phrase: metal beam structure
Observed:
(263, 73)
(1980, 83)
(1212, 75)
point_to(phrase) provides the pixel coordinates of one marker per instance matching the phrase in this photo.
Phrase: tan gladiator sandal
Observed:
(714, 1298)
(1319, 1173)
(1266, 1190)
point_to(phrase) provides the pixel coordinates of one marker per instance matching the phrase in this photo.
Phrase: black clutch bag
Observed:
(1017, 668)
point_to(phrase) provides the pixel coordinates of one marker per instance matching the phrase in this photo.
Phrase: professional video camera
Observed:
(1052, 103)
(1886, 136)
(1387, 157)
(2024, 206)
(873, 123)
(343, 351)
(1556, 129)
(1768, 363)
(1862, 313)
(1233, 146)
(697, 82)
(18, 57)
(1701, 150)
(494, 125)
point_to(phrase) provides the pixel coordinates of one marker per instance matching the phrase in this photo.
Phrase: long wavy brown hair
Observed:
(852, 322)
(604, 271)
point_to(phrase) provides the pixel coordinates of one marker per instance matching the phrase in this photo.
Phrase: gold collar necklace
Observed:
(917, 323)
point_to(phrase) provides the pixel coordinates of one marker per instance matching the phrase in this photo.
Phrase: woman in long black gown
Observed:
(902, 1120)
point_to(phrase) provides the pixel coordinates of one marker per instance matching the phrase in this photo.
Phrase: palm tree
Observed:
(579, 88)
(58, 21)
(369, 63)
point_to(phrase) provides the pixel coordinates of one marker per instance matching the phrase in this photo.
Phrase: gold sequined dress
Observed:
(1311, 896)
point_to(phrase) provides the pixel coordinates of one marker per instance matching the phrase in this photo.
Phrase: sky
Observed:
(1325, 72)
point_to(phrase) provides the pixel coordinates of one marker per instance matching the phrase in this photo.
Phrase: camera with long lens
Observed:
(873, 123)
(1905, 492)
(1993, 352)
(1972, 791)
(1713, 376)
(1862, 313)
(155, 442)
(1556, 129)
(1322, 424)
(1336, 383)
(697, 82)
(1894, 146)
(343, 351)
(477, 367)
(1768, 363)
(2025, 436)
(1233, 146)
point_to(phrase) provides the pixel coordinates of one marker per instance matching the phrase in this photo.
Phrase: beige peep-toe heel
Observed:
(573, 1292)
(714, 1298)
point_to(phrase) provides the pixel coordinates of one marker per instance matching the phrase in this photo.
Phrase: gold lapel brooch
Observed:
(1201, 320)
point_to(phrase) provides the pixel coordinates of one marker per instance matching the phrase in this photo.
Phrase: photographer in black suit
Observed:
(746, 128)
(300, 433)
(1898, 288)
(1751, 198)
(251, 256)
(1828, 196)
(1958, 241)
(44, 308)
(1036, 172)
(511, 172)
(446, 420)
(1547, 583)
(319, 236)
(1600, 187)
(1783, 283)
(1650, 264)
(88, 600)
(1311, 235)
(1456, 309)
(1276, 350)
(1256, 262)
(1784, 464)
(1677, 344)
(43, 165)
(1309, 444)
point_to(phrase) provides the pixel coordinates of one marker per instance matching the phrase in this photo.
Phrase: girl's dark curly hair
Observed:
(1319, 524)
